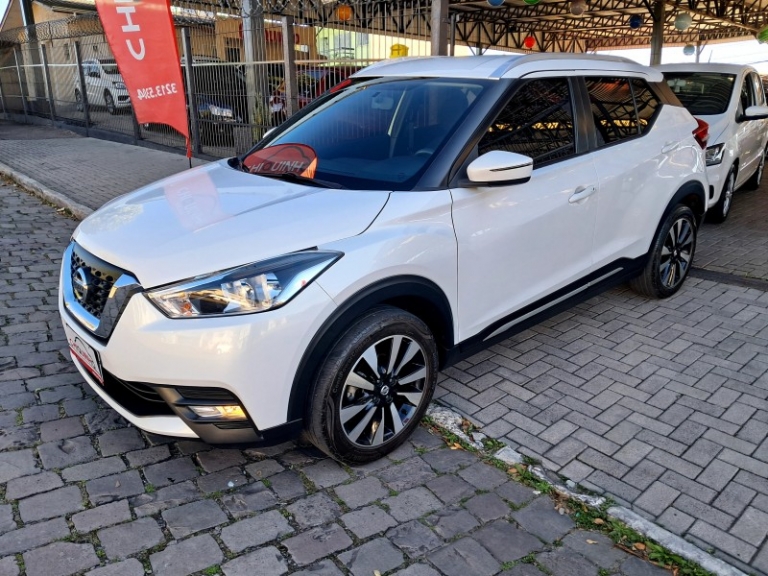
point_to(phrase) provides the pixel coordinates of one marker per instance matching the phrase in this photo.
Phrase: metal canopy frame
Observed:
(605, 24)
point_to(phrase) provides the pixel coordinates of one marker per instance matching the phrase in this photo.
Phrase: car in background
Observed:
(221, 97)
(317, 80)
(428, 209)
(732, 100)
(104, 85)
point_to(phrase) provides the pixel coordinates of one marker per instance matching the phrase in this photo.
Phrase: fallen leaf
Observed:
(513, 471)
(591, 541)
(117, 483)
(456, 446)
(376, 573)
(639, 546)
(599, 521)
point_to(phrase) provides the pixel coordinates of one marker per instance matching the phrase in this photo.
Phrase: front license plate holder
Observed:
(85, 354)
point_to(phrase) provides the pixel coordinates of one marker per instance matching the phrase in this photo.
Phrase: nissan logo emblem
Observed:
(81, 284)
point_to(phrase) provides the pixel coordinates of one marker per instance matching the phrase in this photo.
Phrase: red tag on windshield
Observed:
(282, 159)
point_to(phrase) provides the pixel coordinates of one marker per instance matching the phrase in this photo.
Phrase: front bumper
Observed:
(716, 175)
(152, 364)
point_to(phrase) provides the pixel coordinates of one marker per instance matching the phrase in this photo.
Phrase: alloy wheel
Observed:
(110, 103)
(383, 391)
(761, 168)
(677, 252)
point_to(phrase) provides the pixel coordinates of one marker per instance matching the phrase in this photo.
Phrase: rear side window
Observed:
(537, 122)
(613, 109)
(648, 104)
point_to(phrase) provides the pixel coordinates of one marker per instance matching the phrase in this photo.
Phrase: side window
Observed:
(757, 87)
(746, 98)
(537, 122)
(647, 103)
(613, 109)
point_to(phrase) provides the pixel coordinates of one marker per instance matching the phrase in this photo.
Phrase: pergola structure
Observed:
(505, 24)
(480, 24)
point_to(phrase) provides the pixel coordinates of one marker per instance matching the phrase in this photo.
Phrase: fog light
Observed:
(223, 412)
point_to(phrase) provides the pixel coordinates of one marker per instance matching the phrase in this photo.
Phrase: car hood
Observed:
(215, 217)
(717, 126)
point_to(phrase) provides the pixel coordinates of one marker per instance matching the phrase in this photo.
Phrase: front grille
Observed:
(137, 397)
(102, 277)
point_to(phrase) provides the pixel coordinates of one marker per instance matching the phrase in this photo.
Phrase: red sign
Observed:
(142, 38)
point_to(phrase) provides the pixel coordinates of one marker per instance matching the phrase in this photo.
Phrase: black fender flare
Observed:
(416, 294)
(691, 194)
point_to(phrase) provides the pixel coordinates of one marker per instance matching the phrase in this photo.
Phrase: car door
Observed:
(636, 141)
(519, 243)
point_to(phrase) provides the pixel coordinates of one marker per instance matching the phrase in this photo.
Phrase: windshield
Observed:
(702, 93)
(109, 66)
(381, 134)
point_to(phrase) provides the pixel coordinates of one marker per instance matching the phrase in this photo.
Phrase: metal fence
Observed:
(64, 71)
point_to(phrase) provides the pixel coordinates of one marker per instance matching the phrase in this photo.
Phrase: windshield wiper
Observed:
(291, 177)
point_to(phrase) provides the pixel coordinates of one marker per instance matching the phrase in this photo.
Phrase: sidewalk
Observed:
(89, 171)
(661, 405)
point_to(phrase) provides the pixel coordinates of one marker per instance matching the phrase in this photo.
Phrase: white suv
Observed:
(427, 209)
(731, 99)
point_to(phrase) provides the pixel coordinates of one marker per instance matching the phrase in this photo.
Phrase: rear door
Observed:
(636, 141)
(749, 131)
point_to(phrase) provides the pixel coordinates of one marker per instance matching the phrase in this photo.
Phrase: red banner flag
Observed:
(142, 38)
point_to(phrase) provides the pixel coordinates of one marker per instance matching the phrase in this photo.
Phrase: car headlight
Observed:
(119, 85)
(715, 154)
(220, 111)
(247, 289)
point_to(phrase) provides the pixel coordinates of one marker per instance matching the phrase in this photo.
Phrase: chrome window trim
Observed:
(119, 295)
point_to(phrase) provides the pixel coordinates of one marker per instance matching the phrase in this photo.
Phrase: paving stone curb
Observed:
(56, 198)
(447, 419)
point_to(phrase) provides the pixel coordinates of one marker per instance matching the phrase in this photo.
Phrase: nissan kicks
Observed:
(422, 210)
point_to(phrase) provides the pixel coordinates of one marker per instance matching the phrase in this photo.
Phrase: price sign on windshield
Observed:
(283, 159)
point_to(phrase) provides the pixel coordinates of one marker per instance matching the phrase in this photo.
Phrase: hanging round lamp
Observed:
(578, 7)
(683, 21)
(635, 21)
(689, 50)
(344, 12)
(531, 2)
(762, 34)
(495, 3)
(529, 42)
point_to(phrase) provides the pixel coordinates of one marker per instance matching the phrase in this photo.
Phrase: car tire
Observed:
(757, 178)
(110, 102)
(719, 212)
(670, 257)
(357, 415)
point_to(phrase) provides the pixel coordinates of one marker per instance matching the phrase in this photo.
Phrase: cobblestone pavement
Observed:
(663, 405)
(83, 492)
(87, 170)
(739, 245)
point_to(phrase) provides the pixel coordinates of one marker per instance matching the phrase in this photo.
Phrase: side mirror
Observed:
(755, 113)
(497, 167)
